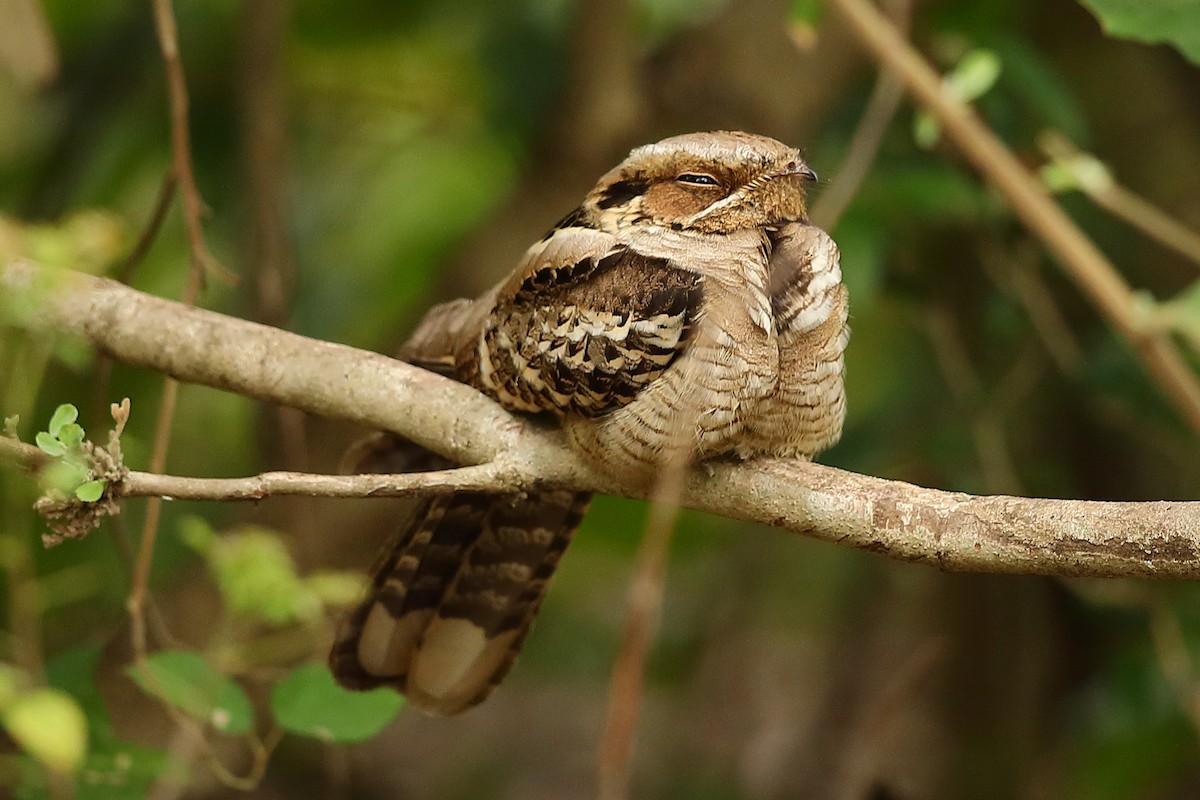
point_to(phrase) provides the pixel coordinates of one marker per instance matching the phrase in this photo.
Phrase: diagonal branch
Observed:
(1083, 262)
(949, 530)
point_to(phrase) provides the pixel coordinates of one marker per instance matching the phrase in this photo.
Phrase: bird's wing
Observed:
(583, 325)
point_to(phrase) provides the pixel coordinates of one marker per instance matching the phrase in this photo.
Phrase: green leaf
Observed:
(49, 445)
(50, 726)
(1176, 22)
(113, 771)
(975, 75)
(926, 130)
(258, 578)
(74, 671)
(63, 476)
(10, 425)
(187, 681)
(808, 12)
(972, 77)
(197, 534)
(1181, 313)
(63, 415)
(309, 702)
(335, 589)
(122, 770)
(90, 492)
(71, 435)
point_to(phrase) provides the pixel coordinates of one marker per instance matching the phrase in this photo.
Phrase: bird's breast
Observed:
(701, 405)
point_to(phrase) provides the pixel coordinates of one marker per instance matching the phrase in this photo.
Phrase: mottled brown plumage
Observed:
(686, 309)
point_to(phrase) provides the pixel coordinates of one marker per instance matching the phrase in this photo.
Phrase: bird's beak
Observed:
(798, 167)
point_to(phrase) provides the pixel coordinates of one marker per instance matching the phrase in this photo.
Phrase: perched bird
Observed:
(686, 309)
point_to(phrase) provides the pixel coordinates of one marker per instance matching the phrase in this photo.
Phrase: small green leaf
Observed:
(309, 702)
(63, 415)
(335, 589)
(71, 435)
(73, 671)
(972, 77)
(807, 12)
(187, 681)
(975, 75)
(50, 726)
(258, 578)
(1182, 314)
(49, 445)
(197, 534)
(926, 129)
(63, 476)
(803, 21)
(121, 770)
(10, 425)
(90, 492)
(1058, 177)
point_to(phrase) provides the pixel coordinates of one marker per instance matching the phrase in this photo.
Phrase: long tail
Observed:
(454, 595)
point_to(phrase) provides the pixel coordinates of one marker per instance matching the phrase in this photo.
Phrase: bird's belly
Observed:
(805, 412)
(697, 409)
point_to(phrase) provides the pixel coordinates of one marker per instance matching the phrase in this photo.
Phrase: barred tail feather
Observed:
(454, 595)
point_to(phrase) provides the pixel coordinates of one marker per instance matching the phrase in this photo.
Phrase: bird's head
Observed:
(705, 182)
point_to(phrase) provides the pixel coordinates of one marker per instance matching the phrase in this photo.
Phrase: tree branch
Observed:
(1081, 260)
(949, 530)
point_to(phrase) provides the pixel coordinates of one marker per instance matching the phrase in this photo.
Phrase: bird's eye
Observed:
(697, 179)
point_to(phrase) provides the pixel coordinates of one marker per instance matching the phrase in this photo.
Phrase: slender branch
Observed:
(643, 611)
(495, 476)
(181, 151)
(200, 261)
(948, 530)
(864, 146)
(162, 204)
(1083, 262)
(484, 477)
(1016, 271)
(1096, 181)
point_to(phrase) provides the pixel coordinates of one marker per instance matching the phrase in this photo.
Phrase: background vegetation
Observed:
(361, 160)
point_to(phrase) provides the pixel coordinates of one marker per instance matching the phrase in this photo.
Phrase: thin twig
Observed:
(1100, 185)
(987, 423)
(643, 609)
(495, 476)
(23, 590)
(1149, 219)
(1016, 271)
(162, 204)
(1086, 265)
(881, 108)
(268, 245)
(102, 375)
(200, 260)
(181, 152)
(1174, 656)
(181, 169)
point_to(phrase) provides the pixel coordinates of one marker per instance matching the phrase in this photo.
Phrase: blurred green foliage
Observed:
(405, 152)
(1173, 21)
